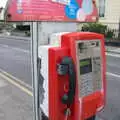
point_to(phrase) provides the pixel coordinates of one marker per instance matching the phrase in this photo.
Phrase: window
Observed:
(101, 8)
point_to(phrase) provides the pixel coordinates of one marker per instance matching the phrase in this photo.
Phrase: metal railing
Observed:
(115, 27)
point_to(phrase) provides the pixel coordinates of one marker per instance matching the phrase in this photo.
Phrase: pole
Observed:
(119, 29)
(35, 82)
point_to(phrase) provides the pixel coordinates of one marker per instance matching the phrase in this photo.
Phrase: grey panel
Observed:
(89, 66)
(48, 28)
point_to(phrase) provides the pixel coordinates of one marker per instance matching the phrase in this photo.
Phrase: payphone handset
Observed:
(67, 67)
(75, 71)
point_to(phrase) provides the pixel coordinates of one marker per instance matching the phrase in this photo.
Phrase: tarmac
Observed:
(14, 103)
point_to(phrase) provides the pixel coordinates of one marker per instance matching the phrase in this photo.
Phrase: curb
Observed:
(114, 44)
(16, 37)
(113, 52)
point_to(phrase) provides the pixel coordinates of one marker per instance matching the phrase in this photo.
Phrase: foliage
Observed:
(98, 28)
(6, 26)
(23, 27)
(27, 33)
(109, 33)
(94, 27)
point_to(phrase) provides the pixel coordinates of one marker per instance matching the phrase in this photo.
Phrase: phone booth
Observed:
(73, 68)
(68, 67)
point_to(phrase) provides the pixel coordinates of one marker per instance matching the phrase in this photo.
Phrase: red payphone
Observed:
(74, 76)
(72, 69)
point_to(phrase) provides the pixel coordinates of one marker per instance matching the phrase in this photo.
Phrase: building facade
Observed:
(109, 12)
(2, 10)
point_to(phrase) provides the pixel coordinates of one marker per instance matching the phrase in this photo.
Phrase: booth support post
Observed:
(35, 82)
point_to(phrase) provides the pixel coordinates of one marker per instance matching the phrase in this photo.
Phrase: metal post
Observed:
(119, 29)
(34, 57)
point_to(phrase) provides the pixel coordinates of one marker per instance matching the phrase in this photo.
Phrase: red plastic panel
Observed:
(56, 84)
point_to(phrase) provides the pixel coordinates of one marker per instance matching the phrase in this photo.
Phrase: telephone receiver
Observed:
(67, 67)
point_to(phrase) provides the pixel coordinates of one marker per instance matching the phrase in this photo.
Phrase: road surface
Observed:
(112, 109)
(15, 60)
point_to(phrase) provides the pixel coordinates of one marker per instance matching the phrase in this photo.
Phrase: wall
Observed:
(112, 13)
(2, 14)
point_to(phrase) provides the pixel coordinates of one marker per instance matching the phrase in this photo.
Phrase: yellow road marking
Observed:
(15, 79)
(17, 85)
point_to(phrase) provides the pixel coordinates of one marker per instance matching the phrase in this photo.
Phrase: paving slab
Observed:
(14, 103)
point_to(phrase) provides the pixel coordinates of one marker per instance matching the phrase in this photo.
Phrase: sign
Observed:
(52, 10)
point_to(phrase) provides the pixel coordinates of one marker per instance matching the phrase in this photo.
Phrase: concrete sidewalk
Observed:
(14, 103)
(110, 49)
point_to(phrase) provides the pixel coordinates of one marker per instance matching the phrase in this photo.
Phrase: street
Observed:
(112, 109)
(15, 60)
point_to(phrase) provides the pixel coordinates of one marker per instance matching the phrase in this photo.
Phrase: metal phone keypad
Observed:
(90, 82)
